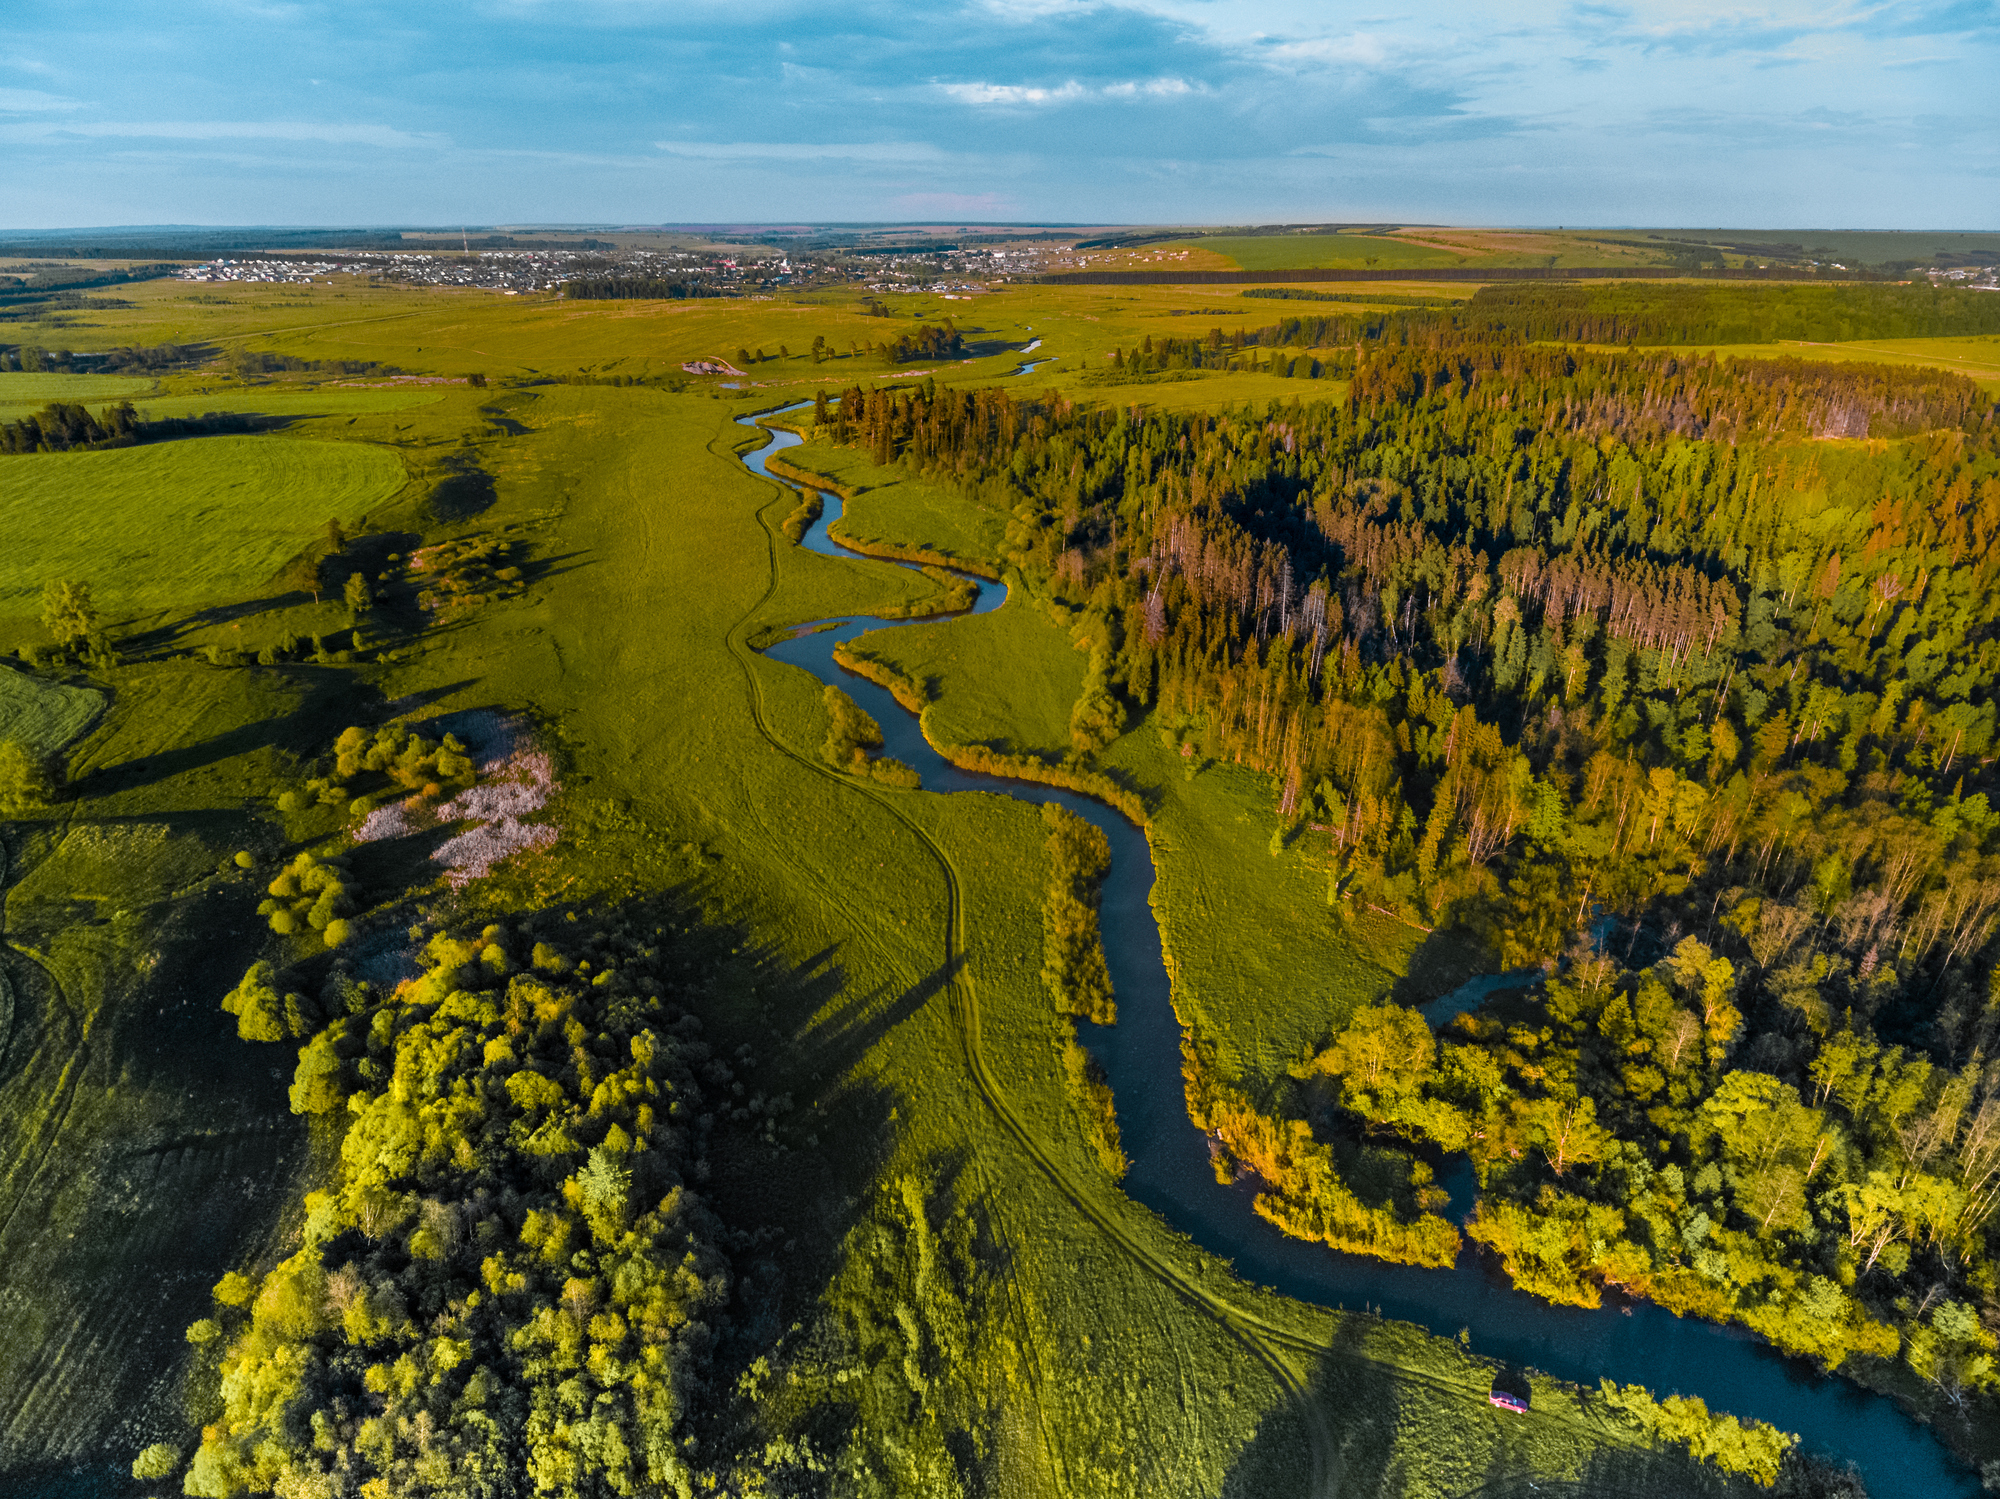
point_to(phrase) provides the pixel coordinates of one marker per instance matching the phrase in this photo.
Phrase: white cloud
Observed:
(32, 101)
(1156, 88)
(1012, 93)
(1366, 49)
(1016, 95)
(263, 130)
(803, 150)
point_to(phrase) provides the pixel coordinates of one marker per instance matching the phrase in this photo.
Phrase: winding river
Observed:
(1635, 1343)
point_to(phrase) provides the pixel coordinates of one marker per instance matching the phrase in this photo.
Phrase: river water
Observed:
(1635, 1343)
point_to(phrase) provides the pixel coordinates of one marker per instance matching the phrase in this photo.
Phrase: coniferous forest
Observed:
(1665, 679)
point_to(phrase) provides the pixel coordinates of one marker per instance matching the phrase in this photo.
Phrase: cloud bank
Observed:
(1073, 110)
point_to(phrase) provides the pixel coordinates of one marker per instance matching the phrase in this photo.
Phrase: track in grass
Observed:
(44, 716)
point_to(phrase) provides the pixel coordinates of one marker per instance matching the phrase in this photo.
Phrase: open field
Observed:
(44, 716)
(1271, 252)
(891, 504)
(230, 510)
(21, 393)
(900, 1004)
(260, 400)
(1409, 246)
(1976, 358)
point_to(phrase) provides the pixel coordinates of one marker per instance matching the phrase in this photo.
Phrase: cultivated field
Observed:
(21, 393)
(181, 523)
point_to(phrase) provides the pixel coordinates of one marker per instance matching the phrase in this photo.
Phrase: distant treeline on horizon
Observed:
(1671, 314)
(1447, 273)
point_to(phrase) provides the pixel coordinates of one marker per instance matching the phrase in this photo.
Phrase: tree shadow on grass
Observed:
(1612, 1473)
(324, 705)
(840, 1035)
(1395, 1442)
(1356, 1403)
(465, 490)
(1443, 961)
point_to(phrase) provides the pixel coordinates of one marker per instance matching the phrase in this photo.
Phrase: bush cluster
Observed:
(311, 891)
(368, 770)
(850, 736)
(464, 574)
(510, 1288)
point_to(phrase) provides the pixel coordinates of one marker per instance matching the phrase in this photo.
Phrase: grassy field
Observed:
(1410, 246)
(44, 716)
(890, 504)
(1977, 358)
(22, 394)
(1271, 252)
(264, 400)
(898, 934)
(144, 1149)
(1006, 679)
(176, 524)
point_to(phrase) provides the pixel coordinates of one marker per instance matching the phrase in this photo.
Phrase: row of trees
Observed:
(1656, 313)
(637, 288)
(1222, 352)
(62, 425)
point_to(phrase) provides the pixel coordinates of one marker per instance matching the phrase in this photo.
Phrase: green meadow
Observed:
(888, 942)
(176, 524)
(892, 506)
(43, 715)
(281, 402)
(1272, 252)
(21, 394)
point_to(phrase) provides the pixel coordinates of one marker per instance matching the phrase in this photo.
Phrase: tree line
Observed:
(1648, 313)
(638, 288)
(62, 425)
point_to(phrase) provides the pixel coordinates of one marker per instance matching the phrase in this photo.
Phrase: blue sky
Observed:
(1825, 114)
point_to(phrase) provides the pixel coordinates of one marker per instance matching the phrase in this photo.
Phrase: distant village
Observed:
(945, 270)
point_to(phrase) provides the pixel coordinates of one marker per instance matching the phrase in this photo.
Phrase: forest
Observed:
(1667, 681)
(1650, 314)
(512, 1285)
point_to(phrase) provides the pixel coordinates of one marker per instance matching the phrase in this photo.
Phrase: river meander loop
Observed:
(1630, 1342)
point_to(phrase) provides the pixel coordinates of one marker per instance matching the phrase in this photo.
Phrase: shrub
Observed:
(24, 779)
(157, 1461)
(234, 1289)
(850, 734)
(255, 1002)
